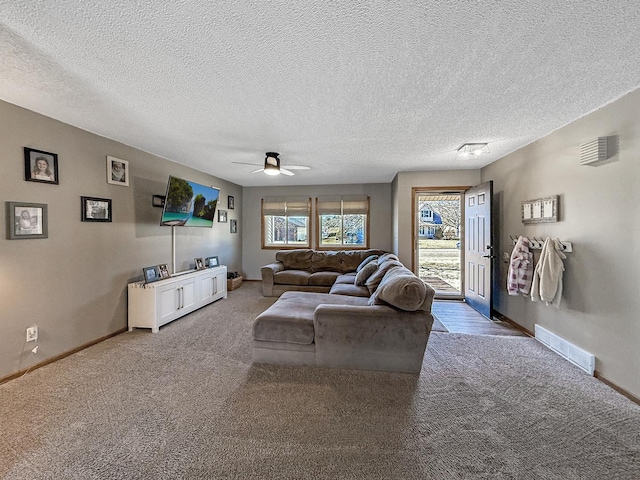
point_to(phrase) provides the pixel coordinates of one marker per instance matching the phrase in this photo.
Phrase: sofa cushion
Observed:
(374, 280)
(348, 278)
(370, 258)
(291, 277)
(325, 279)
(349, 289)
(330, 261)
(288, 320)
(387, 256)
(401, 289)
(363, 275)
(351, 259)
(300, 259)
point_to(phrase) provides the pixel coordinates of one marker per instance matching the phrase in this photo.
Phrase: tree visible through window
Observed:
(342, 221)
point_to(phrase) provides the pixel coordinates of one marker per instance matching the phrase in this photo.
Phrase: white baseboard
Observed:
(562, 347)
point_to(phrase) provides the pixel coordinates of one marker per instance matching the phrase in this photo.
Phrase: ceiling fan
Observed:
(272, 166)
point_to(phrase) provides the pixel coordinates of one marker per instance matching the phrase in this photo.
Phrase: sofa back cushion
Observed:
(402, 289)
(300, 259)
(327, 261)
(351, 259)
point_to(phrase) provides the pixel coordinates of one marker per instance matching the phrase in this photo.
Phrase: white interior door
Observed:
(478, 248)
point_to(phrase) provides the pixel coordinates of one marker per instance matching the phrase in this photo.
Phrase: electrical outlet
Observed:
(32, 334)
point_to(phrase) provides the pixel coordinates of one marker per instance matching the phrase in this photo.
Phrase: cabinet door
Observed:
(207, 287)
(188, 294)
(167, 303)
(220, 285)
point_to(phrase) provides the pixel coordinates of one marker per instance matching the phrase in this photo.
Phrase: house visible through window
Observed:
(343, 221)
(285, 222)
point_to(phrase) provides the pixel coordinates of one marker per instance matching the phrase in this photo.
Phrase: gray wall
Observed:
(73, 284)
(253, 257)
(402, 185)
(599, 212)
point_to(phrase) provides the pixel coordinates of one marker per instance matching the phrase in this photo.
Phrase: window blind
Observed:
(282, 206)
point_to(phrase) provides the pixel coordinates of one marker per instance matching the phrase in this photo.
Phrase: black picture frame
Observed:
(158, 201)
(151, 274)
(26, 220)
(33, 159)
(230, 202)
(212, 262)
(233, 226)
(96, 209)
(222, 216)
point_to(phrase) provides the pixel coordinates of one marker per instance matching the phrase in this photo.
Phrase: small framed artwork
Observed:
(40, 166)
(26, 220)
(151, 274)
(233, 226)
(222, 216)
(95, 209)
(117, 171)
(230, 202)
(163, 270)
(212, 262)
(158, 201)
(199, 263)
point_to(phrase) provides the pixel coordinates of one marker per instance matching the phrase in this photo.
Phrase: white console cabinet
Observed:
(152, 305)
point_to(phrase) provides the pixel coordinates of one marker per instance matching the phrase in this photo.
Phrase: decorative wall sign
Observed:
(540, 210)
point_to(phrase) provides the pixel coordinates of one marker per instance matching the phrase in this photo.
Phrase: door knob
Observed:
(488, 256)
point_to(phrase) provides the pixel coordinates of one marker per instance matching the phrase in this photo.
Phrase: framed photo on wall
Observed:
(40, 166)
(230, 202)
(233, 226)
(26, 220)
(222, 216)
(117, 171)
(95, 209)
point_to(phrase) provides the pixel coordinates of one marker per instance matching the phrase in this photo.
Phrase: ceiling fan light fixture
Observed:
(473, 149)
(272, 164)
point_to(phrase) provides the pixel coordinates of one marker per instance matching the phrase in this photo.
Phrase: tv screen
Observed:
(189, 204)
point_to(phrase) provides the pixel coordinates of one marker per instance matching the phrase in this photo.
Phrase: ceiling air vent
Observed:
(593, 151)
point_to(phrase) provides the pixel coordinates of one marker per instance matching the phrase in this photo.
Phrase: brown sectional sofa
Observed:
(307, 270)
(382, 324)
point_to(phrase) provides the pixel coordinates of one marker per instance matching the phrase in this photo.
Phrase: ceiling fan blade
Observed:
(244, 163)
(258, 170)
(286, 172)
(298, 167)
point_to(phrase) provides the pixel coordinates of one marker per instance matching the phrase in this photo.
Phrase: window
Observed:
(343, 222)
(285, 222)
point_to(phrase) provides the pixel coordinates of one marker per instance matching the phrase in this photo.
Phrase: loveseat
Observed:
(308, 270)
(386, 328)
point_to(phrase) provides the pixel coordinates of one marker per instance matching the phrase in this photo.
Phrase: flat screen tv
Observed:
(189, 204)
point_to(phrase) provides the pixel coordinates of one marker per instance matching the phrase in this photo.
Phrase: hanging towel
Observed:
(547, 276)
(520, 268)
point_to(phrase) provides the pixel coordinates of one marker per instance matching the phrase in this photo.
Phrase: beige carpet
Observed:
(187, 403)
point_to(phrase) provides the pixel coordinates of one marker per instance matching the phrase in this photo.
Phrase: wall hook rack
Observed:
(537, 244)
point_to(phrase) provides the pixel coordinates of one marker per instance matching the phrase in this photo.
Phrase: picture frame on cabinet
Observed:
(233, 226)
(222, 216)
(96, 209)
(212, 262)
(164, 270)
(26, 220)
(199, 263)
(117, 171)
(40, 166)
(151, 274)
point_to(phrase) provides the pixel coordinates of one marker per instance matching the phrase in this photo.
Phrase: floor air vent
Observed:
(575, 355)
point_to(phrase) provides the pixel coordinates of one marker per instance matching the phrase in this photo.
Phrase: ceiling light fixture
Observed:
(272, 164)
(473, 149)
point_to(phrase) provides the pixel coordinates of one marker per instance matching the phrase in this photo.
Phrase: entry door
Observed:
(478, 253)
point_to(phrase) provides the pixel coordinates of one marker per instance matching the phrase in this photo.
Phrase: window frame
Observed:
(284, 246)
(342, 245)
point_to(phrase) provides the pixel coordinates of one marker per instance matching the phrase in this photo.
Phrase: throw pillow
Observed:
(387, 256)
(363, 275)
(401, 289)
(374, 280)
(370, 258)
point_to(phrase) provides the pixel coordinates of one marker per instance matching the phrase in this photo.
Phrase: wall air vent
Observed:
(593, 151)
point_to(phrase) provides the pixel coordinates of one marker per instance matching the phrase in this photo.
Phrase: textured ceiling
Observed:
(357, 90)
